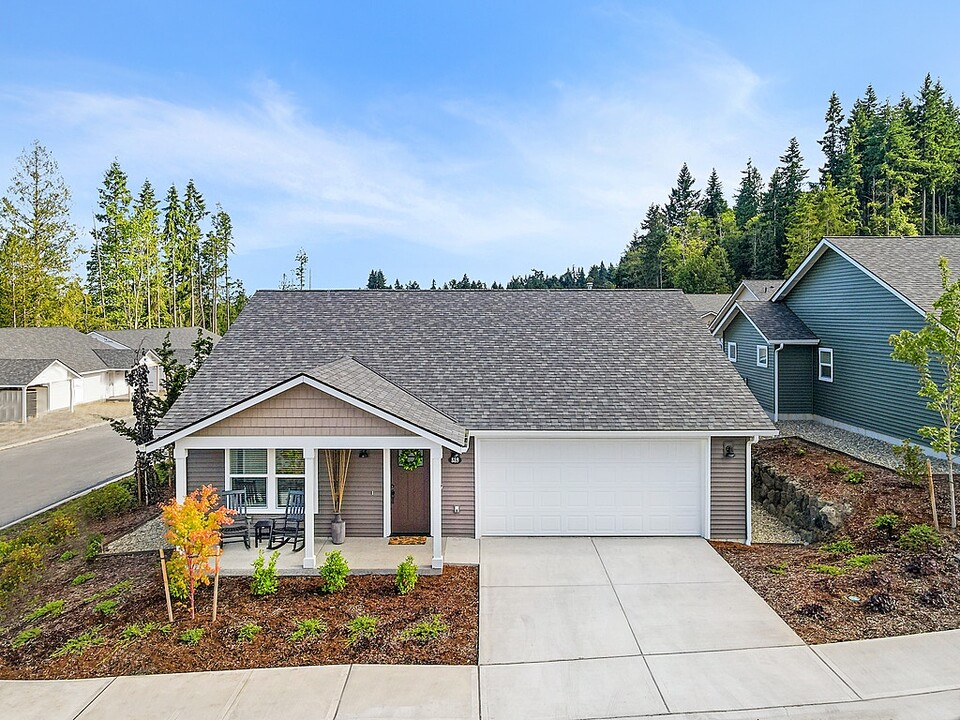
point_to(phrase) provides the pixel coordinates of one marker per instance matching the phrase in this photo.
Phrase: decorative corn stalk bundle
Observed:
(338, 462)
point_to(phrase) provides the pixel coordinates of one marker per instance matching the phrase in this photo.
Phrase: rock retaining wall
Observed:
(812, 518)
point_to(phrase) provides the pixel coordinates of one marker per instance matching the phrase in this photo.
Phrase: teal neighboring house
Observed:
(818, 348)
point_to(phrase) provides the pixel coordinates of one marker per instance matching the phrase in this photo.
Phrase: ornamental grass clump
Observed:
(193, 528)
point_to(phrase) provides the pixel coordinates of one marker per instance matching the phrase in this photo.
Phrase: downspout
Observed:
(750, 442)
(776, 382)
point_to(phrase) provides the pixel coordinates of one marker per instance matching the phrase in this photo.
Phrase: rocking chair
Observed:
(290, 526)
(239, 529)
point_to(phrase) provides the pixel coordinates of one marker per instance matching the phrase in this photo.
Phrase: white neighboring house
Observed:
(57, 368)
(181, 342)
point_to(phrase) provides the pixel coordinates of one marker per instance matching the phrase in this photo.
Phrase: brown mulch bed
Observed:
(830, 608)
(453, 595)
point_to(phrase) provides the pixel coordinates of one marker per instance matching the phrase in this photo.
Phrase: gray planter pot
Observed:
(338, 530)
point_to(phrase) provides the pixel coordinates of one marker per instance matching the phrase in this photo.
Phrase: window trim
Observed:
(821, 364)
(732, 352)
(272, 507)
(766, 356)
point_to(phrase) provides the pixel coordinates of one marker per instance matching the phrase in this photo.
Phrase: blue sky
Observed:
(436, 139)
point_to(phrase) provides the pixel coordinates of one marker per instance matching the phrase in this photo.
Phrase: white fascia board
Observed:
(734, 297)
(801, 270)
(619, 434)
(795, 342)
(55, 362)
(287, 385)
(321, 442)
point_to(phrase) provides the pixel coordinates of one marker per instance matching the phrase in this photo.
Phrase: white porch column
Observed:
(180, 467)
(71, 394)
(23, 405)
(436, 466)
(309, 506)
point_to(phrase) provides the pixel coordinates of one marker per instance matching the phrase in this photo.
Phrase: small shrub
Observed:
(25, 637)
(68, 555)
(814, 611)
(861, 561)
(779, 569)
(138, 631)
(426, 631)
(843, 546)
(837, 468)
(110, 500)
(881, 602)
(334, 572)
(934, 598)
(911, 465)
(799, 451)
(177, 578)
(919, 537)
(120, 588)
(854, 477)
(832, 570)
(106, 607)
(264, 581)
(54, 607)
(406, 576)
(82, 578)
(886, 523)
(362, 627)
(20, 565)
(191, 636)
(94, 547)
(307, 629)
(248, 632)
(77, 645)
(57, 529)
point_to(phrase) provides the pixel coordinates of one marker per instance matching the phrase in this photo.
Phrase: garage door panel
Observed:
(589, 487)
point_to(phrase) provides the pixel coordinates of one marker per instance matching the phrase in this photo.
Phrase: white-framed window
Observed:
(732, 351)
(267, 475)
(825, 362)
(762, 355)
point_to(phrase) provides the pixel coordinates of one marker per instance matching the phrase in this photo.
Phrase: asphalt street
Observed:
(37, 475)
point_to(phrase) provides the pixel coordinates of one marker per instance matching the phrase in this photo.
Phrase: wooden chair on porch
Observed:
(290, 526)
(239, 529)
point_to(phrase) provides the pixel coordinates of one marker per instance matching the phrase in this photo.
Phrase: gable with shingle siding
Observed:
(302, 410)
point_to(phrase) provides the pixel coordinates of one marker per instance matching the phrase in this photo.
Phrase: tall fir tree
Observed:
(683, 199)
(714, 204)
(833, 142)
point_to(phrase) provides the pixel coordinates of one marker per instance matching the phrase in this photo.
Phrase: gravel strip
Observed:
(148, 536)
(769, 529)
(868, 449)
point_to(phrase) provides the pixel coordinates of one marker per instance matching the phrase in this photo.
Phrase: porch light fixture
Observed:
(364, 453)
(728, 451)
(455, 458)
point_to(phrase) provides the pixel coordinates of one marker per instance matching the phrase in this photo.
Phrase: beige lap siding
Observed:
(205, 467)
(303, 410)
(362, 500)
(728, 490)
(458, 489)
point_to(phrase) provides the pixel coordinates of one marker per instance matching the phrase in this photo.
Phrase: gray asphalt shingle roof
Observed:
(19, 373)
(763, 289)
(596, 360)
(776, 321)
(910, 265)
(117, 359)
(705, 303)
(362, 383)
(74, 349)
(152, 338)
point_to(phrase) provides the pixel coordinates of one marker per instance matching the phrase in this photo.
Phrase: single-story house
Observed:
(54, 368)
(707, 304)
(819, 348)
(181, 342)
(564, 412)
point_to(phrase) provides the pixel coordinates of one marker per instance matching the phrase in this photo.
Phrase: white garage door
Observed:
(591, 487)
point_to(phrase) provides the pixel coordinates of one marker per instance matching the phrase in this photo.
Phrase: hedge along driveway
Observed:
(36, 476)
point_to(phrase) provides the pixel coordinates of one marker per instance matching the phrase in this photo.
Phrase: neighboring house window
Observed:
(732, 351)
(290, 474)
(826, 364)
(762, 351)
(248, 471)
(268, 476)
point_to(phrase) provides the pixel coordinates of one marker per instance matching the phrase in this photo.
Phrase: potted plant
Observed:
(338, 463)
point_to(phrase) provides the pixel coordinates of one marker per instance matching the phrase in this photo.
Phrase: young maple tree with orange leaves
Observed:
(193, 528)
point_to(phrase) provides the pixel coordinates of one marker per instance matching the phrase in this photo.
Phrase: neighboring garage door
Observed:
(591, 487)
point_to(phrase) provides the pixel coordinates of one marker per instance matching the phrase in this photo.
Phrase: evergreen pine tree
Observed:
(714, 204)
(683, 199)
(833, 142)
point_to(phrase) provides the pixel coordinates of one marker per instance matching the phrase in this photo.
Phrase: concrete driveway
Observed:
(34, 476)
(629, 627)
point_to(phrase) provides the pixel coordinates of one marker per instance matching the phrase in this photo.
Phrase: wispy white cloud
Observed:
(562, 177)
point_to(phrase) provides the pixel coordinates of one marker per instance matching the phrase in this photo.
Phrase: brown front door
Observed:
(410, 492)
